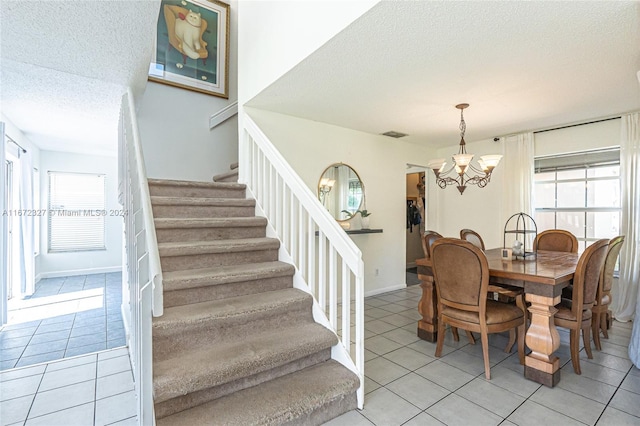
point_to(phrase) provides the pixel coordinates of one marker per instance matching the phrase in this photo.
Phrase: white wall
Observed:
(174, 126)
(479, 208)
(380, 161)
(579, 138)
(295, 29)
(83, 262)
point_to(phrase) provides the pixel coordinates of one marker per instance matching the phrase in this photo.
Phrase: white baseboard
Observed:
(74, 272)
(384, 290)
(38, 278)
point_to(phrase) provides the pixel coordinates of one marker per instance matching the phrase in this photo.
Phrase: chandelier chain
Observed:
(463, 125)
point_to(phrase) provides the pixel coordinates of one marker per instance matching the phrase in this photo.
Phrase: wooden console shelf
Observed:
(364, 231)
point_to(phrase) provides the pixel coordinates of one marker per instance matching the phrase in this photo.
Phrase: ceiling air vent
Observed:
(394, 134)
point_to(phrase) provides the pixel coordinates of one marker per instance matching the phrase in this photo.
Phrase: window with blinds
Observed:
(76, 212)
(580, 193)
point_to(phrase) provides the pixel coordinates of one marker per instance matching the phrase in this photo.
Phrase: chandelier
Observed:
(463, 166)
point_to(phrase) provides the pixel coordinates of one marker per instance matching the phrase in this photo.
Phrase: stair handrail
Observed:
(155, 267)
(223, 115)
(142, 267)
(338, 242)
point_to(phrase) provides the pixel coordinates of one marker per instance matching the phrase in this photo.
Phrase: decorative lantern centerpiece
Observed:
(524, 230)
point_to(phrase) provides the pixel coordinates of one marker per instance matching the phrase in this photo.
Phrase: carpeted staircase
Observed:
(237, 344)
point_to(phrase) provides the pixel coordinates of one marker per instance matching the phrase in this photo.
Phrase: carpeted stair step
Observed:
(233, 166)
(180, 256)
(230, 176)
(190, 207)
(181, 328)
(199, 285)
(311, 396)
(206, 373)
(186, 188)
(177, 229)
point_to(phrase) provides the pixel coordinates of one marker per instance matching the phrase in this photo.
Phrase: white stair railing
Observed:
(328, 263)
(142, 260)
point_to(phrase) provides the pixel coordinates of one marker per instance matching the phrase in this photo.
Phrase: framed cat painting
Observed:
(192, 46)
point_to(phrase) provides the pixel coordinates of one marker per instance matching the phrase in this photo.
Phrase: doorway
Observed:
(415, 199)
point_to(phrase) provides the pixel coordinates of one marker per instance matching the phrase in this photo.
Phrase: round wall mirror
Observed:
(340, 189)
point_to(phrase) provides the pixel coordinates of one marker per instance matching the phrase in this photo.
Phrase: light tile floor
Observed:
(65, 317)
(94, 389)
(406, 385)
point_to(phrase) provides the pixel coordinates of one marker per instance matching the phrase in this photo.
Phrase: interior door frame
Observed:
(3, 230)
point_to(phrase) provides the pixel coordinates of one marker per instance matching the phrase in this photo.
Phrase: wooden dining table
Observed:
(542, 276)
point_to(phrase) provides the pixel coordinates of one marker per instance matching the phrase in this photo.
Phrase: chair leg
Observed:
(609, 320)
(586, 338)
(595, 330)
(456, 336)
(512, 340)
(574, 344)
(485, 354)
(472, 339)
(605, 324)
(440, 340)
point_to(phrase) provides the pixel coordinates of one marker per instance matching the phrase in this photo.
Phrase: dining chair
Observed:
(600, 310)
(503, 294)
(462, 280)
(473, 237)
(556, 240)
(575, 313)
(427, 240)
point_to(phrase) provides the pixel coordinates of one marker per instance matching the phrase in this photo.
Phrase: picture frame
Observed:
(192, 46)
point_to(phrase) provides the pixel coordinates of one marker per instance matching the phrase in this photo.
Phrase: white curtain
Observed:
(26, 225)
(625, 291)
(517, 176)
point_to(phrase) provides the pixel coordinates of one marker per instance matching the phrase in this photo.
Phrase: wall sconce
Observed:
(325, 187)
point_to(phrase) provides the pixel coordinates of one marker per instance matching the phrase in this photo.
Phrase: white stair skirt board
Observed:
(74, 272)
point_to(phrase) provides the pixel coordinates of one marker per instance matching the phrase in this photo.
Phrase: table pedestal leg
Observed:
(428, 325)
(541, 365)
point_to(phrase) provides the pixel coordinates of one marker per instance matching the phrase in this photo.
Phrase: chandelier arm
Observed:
(476, 170)
(481, 181)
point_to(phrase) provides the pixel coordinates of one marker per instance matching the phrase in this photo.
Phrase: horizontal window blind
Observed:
(578, 160)
(76, 212)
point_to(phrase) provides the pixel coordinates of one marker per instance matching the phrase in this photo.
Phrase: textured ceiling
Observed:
(64, 66)
(404, 65)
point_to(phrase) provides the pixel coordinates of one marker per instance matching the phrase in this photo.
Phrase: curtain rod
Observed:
(496, 139)
(24, 151)
(579, 124)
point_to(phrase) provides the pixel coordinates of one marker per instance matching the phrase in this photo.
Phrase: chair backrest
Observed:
(461, 274)
(587, 276)
(609, 265)
(473, 237)
(556, 240)
(427, 241)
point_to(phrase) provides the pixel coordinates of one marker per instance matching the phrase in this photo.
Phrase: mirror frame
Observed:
(354, 172)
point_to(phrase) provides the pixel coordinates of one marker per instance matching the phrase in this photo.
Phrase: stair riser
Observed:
(329, 410)
(223, 291)
(193, 399)
(195, 261)
(209, 234)
(184, 211)
(233, 178)
(197, 192)
(168, 343)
